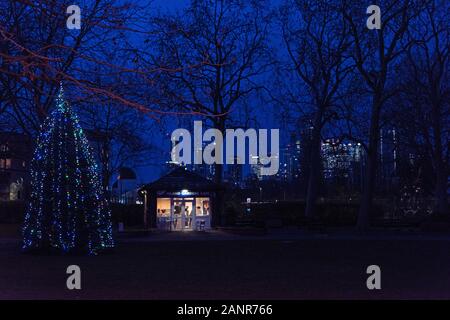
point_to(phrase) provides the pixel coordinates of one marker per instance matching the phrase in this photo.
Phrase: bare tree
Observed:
(120, 136)
(427, 67)
(37, 51)
(374, 54)
(212, 57)
(316, 38)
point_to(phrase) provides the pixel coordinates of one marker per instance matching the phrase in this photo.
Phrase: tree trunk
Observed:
(439, 164)
(219, 124)
(371, 168)
(441, 189)
(218, 174)
(106, 173)
(311, 195)
(314, 172)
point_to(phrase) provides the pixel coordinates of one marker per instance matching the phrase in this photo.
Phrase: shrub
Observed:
(12, 211)
(129, 214)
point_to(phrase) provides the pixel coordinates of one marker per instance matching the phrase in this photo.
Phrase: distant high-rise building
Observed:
(290, 161)
(205, 170)
(284, 170)
(295, 158)
(305, 155)
(388, 153)
(342, 160)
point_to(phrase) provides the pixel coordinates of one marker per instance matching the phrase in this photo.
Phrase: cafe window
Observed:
(163, 207)
(202, 207)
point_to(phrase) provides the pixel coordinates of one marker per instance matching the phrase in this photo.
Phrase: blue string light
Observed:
(67, 211)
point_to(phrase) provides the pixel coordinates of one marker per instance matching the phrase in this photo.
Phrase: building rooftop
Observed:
(180, 179)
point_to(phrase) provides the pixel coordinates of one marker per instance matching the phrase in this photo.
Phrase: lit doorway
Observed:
(183, 214)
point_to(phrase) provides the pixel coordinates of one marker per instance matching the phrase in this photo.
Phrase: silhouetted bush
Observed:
(12, 211)
(129, 214)
(231, 215)
(328, 212)
(436, 223)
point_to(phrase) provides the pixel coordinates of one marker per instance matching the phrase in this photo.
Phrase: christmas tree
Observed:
(67, 211)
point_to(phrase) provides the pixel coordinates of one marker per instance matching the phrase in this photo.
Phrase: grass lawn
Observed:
(237, 269)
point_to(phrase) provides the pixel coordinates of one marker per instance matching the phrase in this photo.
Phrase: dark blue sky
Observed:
(169, 4)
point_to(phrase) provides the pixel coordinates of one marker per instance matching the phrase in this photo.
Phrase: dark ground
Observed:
(238, 267)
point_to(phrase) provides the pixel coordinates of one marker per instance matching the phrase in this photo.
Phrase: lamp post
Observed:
(145, 209)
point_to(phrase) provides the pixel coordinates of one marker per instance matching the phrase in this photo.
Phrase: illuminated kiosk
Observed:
(180, 201)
